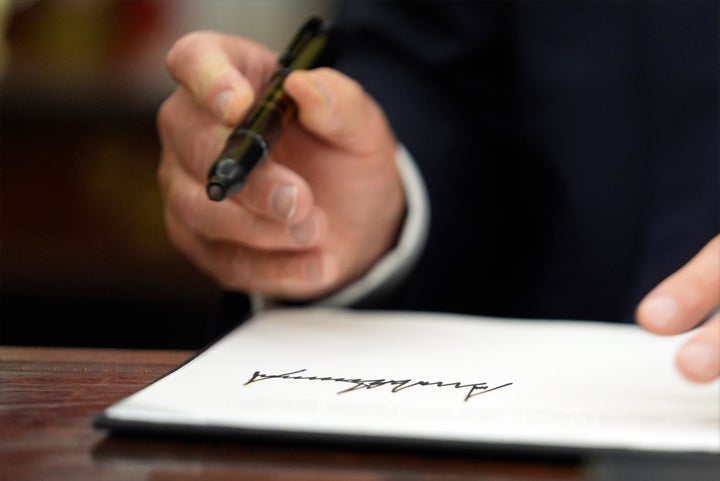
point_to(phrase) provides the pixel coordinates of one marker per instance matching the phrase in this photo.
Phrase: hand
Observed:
(680, 302)
(316, 214)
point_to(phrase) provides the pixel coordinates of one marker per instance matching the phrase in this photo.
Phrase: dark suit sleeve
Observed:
(570, 149)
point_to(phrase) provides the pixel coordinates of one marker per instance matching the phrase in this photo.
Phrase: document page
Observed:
(437, 378)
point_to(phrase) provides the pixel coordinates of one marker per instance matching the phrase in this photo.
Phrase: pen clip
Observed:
(306, 33)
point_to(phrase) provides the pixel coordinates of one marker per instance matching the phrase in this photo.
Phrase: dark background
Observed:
(84, 257)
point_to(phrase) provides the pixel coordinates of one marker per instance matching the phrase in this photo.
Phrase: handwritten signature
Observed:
(473, 389)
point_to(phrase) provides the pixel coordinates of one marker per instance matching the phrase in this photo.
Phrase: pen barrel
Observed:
(273, 112)
(250, 142)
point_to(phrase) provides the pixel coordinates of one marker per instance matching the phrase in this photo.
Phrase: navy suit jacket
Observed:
(570, 149)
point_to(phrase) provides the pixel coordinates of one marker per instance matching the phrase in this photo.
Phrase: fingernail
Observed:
(306, 231)
(701, 359)
(659, 310)
(283, 201)
(222, 102)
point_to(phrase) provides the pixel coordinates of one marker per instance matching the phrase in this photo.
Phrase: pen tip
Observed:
(216, 192)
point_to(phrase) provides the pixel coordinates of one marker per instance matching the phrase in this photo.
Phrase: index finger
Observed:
(222, 72)
(682, 300)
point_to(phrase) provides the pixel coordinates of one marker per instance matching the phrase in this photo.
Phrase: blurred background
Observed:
(84, 257)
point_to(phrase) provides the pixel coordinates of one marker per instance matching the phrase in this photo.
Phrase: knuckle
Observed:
(162, 174)
(182, 202)
(164, 116)
(176, 234)
(186, 202)
(182, 50)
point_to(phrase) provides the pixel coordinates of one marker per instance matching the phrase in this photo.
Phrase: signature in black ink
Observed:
(473, 389)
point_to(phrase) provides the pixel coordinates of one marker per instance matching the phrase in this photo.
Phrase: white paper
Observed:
(531, 382)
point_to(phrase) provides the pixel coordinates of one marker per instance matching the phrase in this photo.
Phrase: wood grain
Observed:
(48, 397)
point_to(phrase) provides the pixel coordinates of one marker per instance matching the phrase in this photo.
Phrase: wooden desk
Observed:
(49, 396)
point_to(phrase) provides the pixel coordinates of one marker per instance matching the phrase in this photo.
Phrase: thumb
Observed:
(338, 110)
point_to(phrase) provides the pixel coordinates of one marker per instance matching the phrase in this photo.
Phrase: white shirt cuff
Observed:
(396, 263)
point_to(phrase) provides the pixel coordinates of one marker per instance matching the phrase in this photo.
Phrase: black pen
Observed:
(252, 139)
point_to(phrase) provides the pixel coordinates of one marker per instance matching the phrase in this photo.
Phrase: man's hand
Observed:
(680, 303)
(316, 214)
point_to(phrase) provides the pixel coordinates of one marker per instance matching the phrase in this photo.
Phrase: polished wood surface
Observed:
(49, 396)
